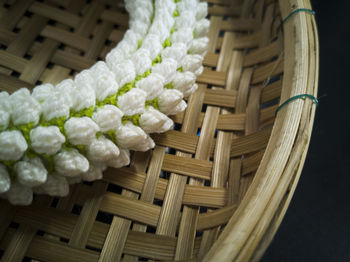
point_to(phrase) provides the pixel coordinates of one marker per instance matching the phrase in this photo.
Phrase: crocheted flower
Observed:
(167, 69)
(152, 85)
(83, 96)
(158, 28)
(169, 99)
(70, 163)
(80, 130)
(202, 28)
(176, 51)
(202, 10)
(12, 145)
(185, 82)
(5, 109)
(153, 121)
(153, 44)
(105, 84)
(42, 92)
(180, 107)
(20, 195)
(108, 117)
(122, 160)
(46, 140)
(186, 19)
(141, 60)
(65, 89)
(133, 137)
(24, 108)
(183, 35)
(5, 181)
(132, 102)
(193, 63)
(94, 172)
(55, 186)
(199, 46)
(124, 72)
(101, 150)
(31, 172)
(55, 106)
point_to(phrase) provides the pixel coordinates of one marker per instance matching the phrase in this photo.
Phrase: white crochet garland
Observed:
(71, 132)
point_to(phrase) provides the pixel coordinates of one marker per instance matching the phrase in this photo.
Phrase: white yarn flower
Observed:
(95, 172)
(12, 145)
(20, 195)
(176, 51)
(133, 137)
(153, 121)
(70, 163)
(153, 44)
(122, 160)
(184, 5)
(139, 28)
(193, 63)
(183, 35)
(166, 17)
(83, 96)
(108, 118)
(55, 185)
(180, 107)
(5, 181)
(202, 10)
(169, 99)
(80, 130)
(167, 69)
(202, 28)
(24, 108)
(132, 102)
(31, 172)
(101, 150)
(42, 92)
(5, 110)
(152, 85)
(46, 140)
(186, 19)
(199, 46)
(185, 82)
(158, 28)
(105, 83)
(141, 60)
(114, 57)
(55, 106)
(124, 72)
(84, 78)
(65, 88)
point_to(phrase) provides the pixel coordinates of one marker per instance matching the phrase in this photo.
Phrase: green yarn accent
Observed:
(1, 127)
(126, 88)
(172, 30)
(180, 69)
(111, 135)
(59, 122)
(154, 7)
(153, 103)
(25, 129)
(110, 100)
(50, 163)
(139, 43)
(157, 60)
(166, 43)
(169, 86)
(176, 1)
(99, 134)
(81, 149)
(135, 119)
(145, 74)
(84, 112)
(176, 13)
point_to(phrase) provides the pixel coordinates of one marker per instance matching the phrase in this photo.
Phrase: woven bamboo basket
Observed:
(217, 186)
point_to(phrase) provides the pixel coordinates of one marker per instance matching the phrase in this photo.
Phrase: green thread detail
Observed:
(145, 74)
(301, 96)
(180, 69)
(1, 127)
(153, 103)
(111, 100)
(154, 7)
(58, 121)
(81, 148)
(176, 13)
(125, 88)
(157, 60)
(111, 135)
(99, 134)
(50, 163)
(31, 154)
(172, 30)
(84, 112)
(166, 43)
(25, 129)
(293, 13)
(169, 86)
(135, 119)
(176, 1)
(139, 43)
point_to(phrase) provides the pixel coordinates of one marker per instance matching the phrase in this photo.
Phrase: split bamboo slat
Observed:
(213, 189)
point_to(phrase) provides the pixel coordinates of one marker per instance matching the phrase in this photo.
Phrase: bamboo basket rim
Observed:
(288, 144)
(252, 226)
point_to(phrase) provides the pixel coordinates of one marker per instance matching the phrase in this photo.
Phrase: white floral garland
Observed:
(60, 135)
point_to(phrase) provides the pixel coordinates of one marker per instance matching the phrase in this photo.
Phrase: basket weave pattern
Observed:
(173, 202)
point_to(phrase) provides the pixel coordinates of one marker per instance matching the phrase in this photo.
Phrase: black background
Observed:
(317, 224)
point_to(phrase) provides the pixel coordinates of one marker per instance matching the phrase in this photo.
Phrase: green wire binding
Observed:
(301, 96)
(293, 13)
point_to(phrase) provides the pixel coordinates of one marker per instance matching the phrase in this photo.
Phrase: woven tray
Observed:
(213, 189)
